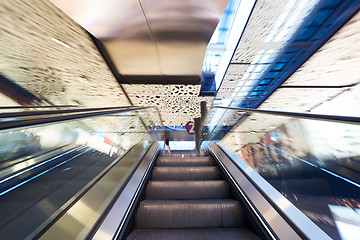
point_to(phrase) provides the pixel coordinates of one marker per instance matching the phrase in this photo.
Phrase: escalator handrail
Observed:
(287, 211)
(19, 172)
(57, 111)
(323, 117)
(113, 222)
(24, 107)
(65, 207)
(101, 223)
(30, 121)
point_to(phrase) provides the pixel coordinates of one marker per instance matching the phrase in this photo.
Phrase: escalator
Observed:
(142, 192)
(143, 195)
(187, 198)
(35, 197)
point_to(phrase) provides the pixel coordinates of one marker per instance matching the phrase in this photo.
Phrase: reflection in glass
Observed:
(45, 169)
(315, 164)
(111, 134)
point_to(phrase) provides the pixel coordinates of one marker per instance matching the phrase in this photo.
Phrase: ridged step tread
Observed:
(186, 173)
(182, 154)
(193, 234)
(186, 161)
(207, 213)
(213, 189)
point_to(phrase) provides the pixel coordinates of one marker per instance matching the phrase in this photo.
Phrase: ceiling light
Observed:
(60, 42)
(83, 80)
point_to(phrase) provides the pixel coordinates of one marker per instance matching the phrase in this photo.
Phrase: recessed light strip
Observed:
(61, 43)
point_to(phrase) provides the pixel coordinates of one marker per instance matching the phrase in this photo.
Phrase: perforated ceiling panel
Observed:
(271, 25)
(178, 104)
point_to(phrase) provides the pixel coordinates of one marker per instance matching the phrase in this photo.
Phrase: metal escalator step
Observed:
(187, 189)
(180, 154)
(187, 161)
(193, 234)
(209, 213)
(186, 173)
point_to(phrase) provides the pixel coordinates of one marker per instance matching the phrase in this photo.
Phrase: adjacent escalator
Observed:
(37, 197)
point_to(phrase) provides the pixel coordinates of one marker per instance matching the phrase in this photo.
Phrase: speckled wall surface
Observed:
(336, 63)
(262, 20)
(74, 73)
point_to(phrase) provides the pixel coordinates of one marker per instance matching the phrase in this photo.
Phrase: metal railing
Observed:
(310, 116)
(26, 107)
(15, 120)
(279, 217)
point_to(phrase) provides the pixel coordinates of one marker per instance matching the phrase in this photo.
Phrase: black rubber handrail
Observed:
(24, 107)
(311, 116)
(60, 116)
(46, 112)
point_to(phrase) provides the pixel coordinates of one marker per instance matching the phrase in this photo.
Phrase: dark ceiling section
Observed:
(171, 79)
(142, 79)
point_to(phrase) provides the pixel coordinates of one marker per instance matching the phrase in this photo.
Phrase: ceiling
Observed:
(151, 41)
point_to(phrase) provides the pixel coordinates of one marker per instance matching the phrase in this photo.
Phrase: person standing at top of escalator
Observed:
(167, 141)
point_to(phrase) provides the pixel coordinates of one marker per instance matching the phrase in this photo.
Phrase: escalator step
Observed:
(209, 213)
(186, 173)
(192, 234)
(187, 189)
(188, 161)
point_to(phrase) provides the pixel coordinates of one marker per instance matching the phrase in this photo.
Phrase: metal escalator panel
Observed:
(279, 218)
(39, 194)
(199, 213)
(186, 173)
(211, 189)
(61, 169)
(188, 161)
(86, 210)
(186, 199)
(181, 234)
